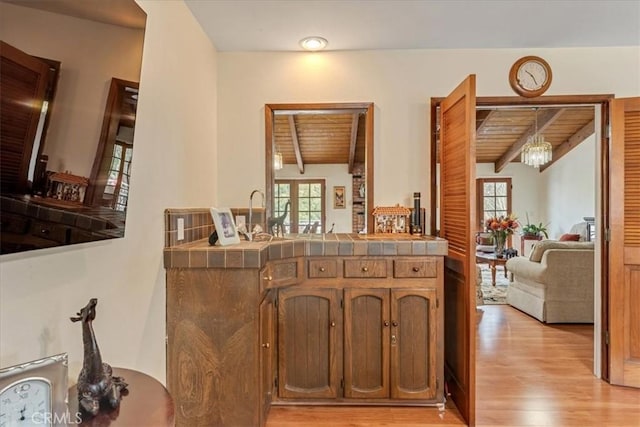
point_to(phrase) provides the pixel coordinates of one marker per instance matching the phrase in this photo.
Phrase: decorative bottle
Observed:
(416, 226)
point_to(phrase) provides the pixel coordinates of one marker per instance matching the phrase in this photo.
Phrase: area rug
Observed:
(497, 294)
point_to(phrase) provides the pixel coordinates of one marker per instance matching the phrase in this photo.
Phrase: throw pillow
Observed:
(568, 237)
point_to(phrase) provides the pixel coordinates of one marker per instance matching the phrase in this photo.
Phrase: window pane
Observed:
(303, 190)
(501, 188)
(315, 216)
(117, 151)
(501, 203)
(316, 190)
(303, 205)
(489, 204)
(316, 204)
(501, 213)
(489, 189)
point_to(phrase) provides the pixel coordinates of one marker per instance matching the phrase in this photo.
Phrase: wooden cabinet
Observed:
(268, 367)
(318, 330)
(309, 337)
(390, 343)
(385, 313)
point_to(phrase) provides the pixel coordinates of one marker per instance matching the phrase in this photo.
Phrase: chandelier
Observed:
(536, 151)
(277, 161)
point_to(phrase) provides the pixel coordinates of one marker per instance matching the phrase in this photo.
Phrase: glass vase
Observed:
(500, 238)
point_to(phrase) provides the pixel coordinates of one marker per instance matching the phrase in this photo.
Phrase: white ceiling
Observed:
(278, 25)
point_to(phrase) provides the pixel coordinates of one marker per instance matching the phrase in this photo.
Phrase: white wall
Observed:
(91, 53)
(400, 83)
(175, 148)
(570, 189)
(334, 175)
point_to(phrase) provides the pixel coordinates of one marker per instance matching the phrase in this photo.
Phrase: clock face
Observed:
(26, 403)
(532, 75)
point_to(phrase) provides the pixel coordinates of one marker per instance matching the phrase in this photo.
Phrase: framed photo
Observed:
(338, 197)
(225, 226)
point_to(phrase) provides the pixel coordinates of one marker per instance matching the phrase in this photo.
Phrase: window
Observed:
(494, 199)
(118, 178)
(306, 211)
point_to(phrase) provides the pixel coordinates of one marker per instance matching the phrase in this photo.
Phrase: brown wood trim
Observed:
(433, 138)
(370, 204)
(603, 225)
(268, 162)
(541, 100)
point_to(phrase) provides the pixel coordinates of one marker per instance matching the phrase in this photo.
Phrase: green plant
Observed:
(534, 229)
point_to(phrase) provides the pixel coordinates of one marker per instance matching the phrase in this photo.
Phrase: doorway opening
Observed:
(557, 107)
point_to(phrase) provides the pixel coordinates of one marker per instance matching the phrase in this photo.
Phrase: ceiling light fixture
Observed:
(277, 161)
(536, 151)
(314, 43)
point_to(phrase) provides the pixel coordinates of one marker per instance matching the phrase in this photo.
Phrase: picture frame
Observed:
(338, 197)
(225, 226)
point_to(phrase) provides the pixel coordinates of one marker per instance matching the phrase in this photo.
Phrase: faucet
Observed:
(250, 228)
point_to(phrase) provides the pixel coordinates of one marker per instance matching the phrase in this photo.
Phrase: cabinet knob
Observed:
(365, 269)
(416, 269)
(386, 323)
(333, 324)
(266, 345)
(269, 278)
(395, 324)
(321, 269)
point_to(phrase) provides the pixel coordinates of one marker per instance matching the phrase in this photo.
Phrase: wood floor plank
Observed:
(528, 374)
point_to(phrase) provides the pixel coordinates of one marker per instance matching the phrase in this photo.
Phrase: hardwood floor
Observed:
(528, 374)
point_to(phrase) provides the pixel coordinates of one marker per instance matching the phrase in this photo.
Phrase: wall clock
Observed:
(35, 393)
(530, 76)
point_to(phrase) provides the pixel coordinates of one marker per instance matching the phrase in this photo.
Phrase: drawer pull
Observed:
(365, 269)
(416, 269)
(322, 269)
(269, 278)
(333, 324)
(266, 345)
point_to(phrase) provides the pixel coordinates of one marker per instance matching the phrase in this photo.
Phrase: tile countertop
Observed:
(199, 254)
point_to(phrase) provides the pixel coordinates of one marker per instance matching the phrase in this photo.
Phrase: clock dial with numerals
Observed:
(530, 76)
(26, 403)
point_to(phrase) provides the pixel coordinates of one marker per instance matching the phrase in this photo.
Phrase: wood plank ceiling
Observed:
(500, 134)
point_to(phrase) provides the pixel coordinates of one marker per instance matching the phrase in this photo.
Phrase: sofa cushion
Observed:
(543, 245)
(569, 237)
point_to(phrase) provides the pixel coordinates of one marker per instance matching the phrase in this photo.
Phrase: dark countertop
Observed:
(199, 254)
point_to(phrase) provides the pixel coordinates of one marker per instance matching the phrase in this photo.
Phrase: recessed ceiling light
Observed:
(313, 43)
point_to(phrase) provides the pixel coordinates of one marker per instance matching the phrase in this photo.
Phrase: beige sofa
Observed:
(555, 284)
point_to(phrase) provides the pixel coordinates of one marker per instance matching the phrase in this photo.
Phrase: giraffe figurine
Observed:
(96, 382)
(276, 224)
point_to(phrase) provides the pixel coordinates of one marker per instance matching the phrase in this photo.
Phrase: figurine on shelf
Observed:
(96, 382)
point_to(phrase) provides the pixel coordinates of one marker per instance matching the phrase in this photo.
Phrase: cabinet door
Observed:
(366, 352)
(413, 343)
(267, 356)
(309, 343)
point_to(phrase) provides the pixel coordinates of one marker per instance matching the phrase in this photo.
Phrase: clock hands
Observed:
(534, 79)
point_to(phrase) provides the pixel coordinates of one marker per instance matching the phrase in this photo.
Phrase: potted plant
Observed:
(534, 230)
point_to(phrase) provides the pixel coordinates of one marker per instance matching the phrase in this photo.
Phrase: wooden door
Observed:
(366, 343)
(624, 246)
(413, 344)
(23, 83)
(267, 356)
(309, 337)
(457, 214)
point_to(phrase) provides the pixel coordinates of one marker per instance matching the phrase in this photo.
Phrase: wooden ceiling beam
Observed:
(296, 144)
(545, 119)
(482, 116)
(572, 142)
(352, 141)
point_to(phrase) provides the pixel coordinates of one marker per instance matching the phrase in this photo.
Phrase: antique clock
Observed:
(35, 393)
(530, 76)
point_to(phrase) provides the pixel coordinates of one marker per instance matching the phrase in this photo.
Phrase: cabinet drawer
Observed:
(280, 273)
(322, 268)
(403, 268)
(55, 232)
(372, 268)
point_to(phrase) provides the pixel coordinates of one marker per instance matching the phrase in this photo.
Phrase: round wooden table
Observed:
(147, 403)
(493, 261)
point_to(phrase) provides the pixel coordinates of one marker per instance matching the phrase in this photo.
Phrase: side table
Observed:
(147, 403)
(523, 244)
